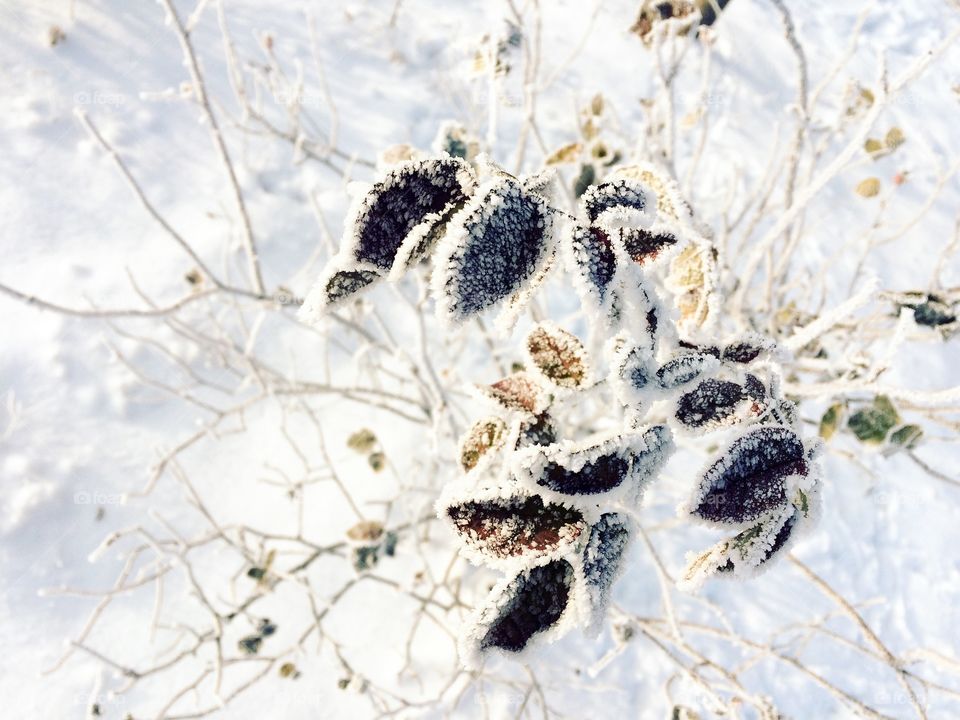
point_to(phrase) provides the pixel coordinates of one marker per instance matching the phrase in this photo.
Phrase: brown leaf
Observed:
(516, 392)
(894, 138)
(366, 531)
(558, 354)
(484, 436)
(565, 154)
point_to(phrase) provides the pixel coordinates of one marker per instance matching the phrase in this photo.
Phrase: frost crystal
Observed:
(622, 465)
(497, 248)
(606, 203)
(496, 528)
(558, 355)
(750, 477)
(517, 611)
(602, 563)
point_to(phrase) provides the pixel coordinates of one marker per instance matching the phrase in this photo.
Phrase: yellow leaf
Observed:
(894, 138)
(869, 187)
(596, 105)
(565, 154)
(873, 146)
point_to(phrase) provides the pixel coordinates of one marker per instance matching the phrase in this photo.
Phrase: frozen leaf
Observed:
(536, 431)
(497, 248)
(400, 209)
(868, 188)
(497, 528)
(250, 645)
(365, 557)
(747, 553)
(748, 348)
(670, 204)
(716, 402)
(454, 139)
(693, 279)
(632, 372)
(871, 424)
(289, 670)
(518, 391)
(593, 263)
(602, 204)
(566, 154)
(647, 246)
(558, 355)
(366, 531)
(362, 441)
(485, 436)
(519, 610)
(932, 312)
(621, 466)
(685, 368)
(335, 287)
(602, 563)
(749, 478)
(830, 420)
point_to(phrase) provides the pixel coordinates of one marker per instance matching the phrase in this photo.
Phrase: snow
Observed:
(79, 433)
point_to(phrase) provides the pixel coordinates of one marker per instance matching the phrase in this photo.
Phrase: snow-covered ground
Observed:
(80, 431)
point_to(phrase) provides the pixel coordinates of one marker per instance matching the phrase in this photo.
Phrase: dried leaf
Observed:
(894, 138)
(565, 154)
(868, 188)
(558, 355)
(366, 531)
(873, 146)
(486, 435)
(377, 461)
(362, 441)
(518, 391)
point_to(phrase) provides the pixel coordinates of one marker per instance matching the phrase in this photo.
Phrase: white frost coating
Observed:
(684, 368)
(795, 484)
(600, 565)
(752, 345)
(496, 252)
(617, 468)
(632, 371)
(501, 601)
(519, 392)
(476, 544)
(319, 299)
(722, 399)
(592, 264)
(661, 188)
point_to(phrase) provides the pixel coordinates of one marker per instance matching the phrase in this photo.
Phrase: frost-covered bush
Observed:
(555, 512)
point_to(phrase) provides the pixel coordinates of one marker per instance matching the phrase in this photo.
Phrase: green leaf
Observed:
(830, 420)
(906, 436)
(872, 424)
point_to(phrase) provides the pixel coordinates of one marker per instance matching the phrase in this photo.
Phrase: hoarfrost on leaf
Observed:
(518, 391)
(716, 402)
(519, 610)
(500, 529)
(558, 355)
(750, 477)
(619, 467)
(602, 563)
(497, 249)
(685, 368)
(488, 435)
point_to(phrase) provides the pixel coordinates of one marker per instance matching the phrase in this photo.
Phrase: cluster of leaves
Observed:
(554, 512)
(876, 423)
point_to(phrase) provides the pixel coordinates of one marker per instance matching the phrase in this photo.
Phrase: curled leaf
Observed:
(602, 562)
(749, 477)
(622, 465)
(558, 355)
